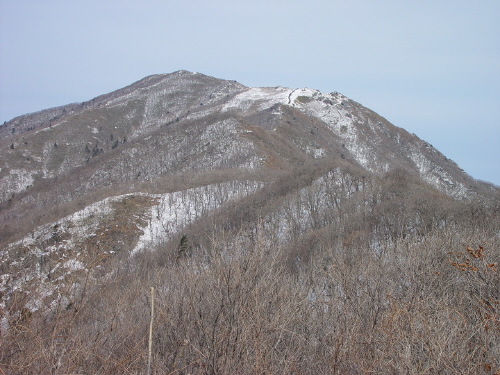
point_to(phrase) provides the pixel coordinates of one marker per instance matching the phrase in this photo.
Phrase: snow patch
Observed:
(259, 97)
(175, 210)
(16, 181)
(74, 265)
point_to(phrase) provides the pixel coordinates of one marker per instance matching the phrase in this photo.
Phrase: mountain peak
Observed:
(315, 123)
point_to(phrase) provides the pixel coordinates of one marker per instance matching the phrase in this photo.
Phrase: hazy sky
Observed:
(431, 67)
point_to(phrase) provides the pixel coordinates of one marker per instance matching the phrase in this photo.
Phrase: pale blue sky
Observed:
(431, 67)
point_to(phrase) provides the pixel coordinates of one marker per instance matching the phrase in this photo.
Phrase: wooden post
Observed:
(151, 328)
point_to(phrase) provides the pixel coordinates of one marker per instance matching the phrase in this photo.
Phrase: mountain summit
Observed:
(223, 124)
(177, 167)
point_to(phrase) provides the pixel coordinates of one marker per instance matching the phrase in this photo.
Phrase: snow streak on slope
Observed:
(436, 175)
(16, 181)
(175, 210)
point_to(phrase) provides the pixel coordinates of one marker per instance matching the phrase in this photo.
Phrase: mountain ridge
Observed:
(230, 126)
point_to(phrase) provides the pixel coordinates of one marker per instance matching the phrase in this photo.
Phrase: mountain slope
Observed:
(175, 165)
(200, 109)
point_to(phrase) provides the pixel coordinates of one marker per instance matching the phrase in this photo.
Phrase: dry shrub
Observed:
(236, 307)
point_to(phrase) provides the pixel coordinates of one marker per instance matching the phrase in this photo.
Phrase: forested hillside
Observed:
(283, 230)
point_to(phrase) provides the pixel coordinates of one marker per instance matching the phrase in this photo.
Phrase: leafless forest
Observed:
(387, 278)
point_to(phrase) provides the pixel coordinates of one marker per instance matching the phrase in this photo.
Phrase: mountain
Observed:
(162, 168)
